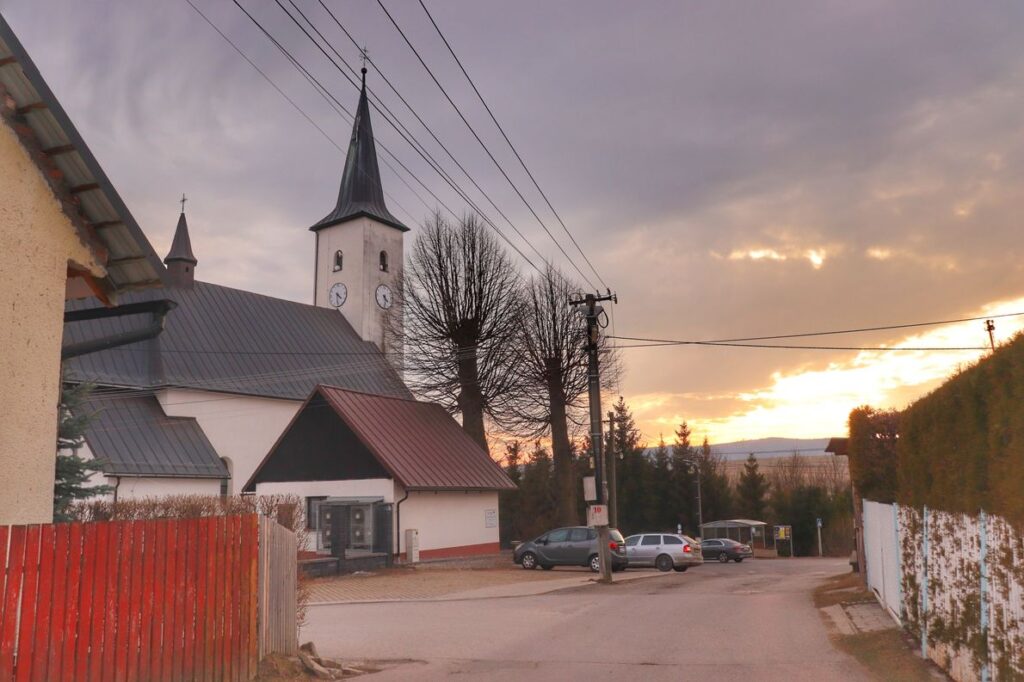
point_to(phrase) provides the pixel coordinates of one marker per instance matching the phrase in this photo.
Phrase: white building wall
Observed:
(366, 487)
(241, 429)
(450, 519)
(135, 488)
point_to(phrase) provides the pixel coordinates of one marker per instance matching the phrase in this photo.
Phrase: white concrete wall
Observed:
(241, 428)
(449, 519)
(367, 487)
(361, 240)
(135, 488)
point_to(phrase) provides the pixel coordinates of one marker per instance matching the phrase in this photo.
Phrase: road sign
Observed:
(783, 532)
(819, 522)
(589, 489)
(597, 515)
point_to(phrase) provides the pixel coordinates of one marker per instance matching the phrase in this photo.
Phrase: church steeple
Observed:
(361, 193)
(180, 261)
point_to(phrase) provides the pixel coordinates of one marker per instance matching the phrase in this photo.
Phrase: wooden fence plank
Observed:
(41, 635)
(86, 600)
(134, 588)
(235, 595)
(209, 590)
(29, 604)
(110, 625)
(159, 591)
(167, 637)
(99, 607)
(243, 571)
(69, 629)
(58, 604)
(146, 608)
(253, 649)
(124, 597)
(4, 534)
(199, 654)
(218, 627)
(12, 591)
(191, 571)
(180, 564)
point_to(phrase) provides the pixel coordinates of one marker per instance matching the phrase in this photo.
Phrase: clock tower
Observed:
(359, 244)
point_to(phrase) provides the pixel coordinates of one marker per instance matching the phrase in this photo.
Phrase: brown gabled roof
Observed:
(418, 443)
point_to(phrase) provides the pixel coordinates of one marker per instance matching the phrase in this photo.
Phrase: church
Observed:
(246, 393)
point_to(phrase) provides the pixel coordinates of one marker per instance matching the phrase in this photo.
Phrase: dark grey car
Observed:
(724, 549)
(572, 546)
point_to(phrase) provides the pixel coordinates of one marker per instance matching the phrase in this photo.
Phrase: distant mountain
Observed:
(765, 448)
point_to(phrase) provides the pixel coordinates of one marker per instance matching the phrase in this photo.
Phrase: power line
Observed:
(669, 342)
(484, 145)
(297, 107)
(409, 139)
(511, 146)
(791, 347)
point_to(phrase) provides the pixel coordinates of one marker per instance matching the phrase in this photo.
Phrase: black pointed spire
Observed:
(181, 262)
(361, 193)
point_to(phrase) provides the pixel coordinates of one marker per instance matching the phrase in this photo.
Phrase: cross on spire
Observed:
(183, 200)
(364, 54)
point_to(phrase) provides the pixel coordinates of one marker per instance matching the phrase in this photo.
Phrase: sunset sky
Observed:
(731, 169)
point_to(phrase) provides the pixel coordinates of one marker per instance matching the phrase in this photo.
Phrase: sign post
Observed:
(819, 537)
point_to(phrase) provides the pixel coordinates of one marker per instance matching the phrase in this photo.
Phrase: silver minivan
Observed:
(664, 551)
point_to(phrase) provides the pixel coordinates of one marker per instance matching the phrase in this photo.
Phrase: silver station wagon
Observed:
(664, 551)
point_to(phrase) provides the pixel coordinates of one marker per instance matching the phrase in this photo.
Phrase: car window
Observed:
(672, 540)
(558, 535)
(578, 535)
(591, 534)
(711, 543)
(651, 540)
(632, 540)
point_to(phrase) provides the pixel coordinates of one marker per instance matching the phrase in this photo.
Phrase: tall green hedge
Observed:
(961, 447)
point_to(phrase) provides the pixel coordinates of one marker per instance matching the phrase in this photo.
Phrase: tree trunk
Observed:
(470, 399)
(561, 450)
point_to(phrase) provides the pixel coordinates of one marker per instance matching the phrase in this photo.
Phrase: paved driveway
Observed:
(753, 621)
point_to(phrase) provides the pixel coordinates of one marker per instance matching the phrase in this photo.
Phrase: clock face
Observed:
(337, 295)
(384, 296)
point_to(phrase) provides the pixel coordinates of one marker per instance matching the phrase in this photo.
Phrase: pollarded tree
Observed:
(751, 490)
(462, 314)
(554, 356)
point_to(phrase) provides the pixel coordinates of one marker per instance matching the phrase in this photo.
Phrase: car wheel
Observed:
(547, 567)
(723, 558)
(663, 563)
(680, 569)
(740, 559)
(529, 561)
(595, 563)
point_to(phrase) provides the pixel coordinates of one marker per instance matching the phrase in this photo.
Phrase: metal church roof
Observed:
(85, 191)
(232, 341)
(361, 193)
(133, 437)
(418, 443)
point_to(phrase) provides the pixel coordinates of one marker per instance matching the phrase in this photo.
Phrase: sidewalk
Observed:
(435, 584)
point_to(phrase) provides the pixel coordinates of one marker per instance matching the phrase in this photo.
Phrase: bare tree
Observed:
(462, 310)
(553, 341)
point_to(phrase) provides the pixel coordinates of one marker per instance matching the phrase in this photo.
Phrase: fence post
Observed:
(899, 559)
(924, 588)
(983, 592)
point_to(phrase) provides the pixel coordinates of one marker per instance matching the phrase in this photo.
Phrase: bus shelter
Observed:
(741, 530)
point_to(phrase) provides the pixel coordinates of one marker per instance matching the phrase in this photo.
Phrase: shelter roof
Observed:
(418, 443)
(79, 183)
(232, 341)
(133, 436)
(733, 523)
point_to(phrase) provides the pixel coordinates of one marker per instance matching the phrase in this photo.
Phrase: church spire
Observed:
(361, 193)
(181, 262)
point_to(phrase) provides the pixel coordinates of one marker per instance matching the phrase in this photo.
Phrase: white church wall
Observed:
(135, 488)
(242, 429)
(451, 523)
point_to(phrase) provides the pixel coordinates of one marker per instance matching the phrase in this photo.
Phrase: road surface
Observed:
(751, 621)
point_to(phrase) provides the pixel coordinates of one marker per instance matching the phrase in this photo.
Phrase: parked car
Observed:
(573, 546)
(724, 549)
(664, 551)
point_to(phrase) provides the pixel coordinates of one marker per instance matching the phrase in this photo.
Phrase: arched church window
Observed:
(339, 260)
(383, 261)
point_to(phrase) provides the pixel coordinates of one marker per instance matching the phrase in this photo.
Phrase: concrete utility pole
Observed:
(613, 495)
(990, 327)
(592, 311)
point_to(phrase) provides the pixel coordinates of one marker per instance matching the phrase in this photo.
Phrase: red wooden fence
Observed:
(129, 600)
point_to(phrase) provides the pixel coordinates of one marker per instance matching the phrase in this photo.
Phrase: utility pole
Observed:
(613, 495)
(592, 312)
(990, 327)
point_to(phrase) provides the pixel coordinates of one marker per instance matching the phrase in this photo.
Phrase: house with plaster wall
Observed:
(65, 236)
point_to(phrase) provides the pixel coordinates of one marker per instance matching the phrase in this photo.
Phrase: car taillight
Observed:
(686, 549)
(614, 546)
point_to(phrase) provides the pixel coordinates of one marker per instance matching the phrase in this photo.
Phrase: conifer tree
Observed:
(660, 513)
(751, 490)
(684, 482)
(72, 471)
(634, 471)
(509, 501)
(716, 497)
(539, 507)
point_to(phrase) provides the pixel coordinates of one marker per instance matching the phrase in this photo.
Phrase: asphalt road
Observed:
(752, 621)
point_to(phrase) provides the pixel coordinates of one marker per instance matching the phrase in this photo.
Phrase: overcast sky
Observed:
(731, 169)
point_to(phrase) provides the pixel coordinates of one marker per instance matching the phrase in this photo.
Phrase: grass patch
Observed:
(886, 654)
